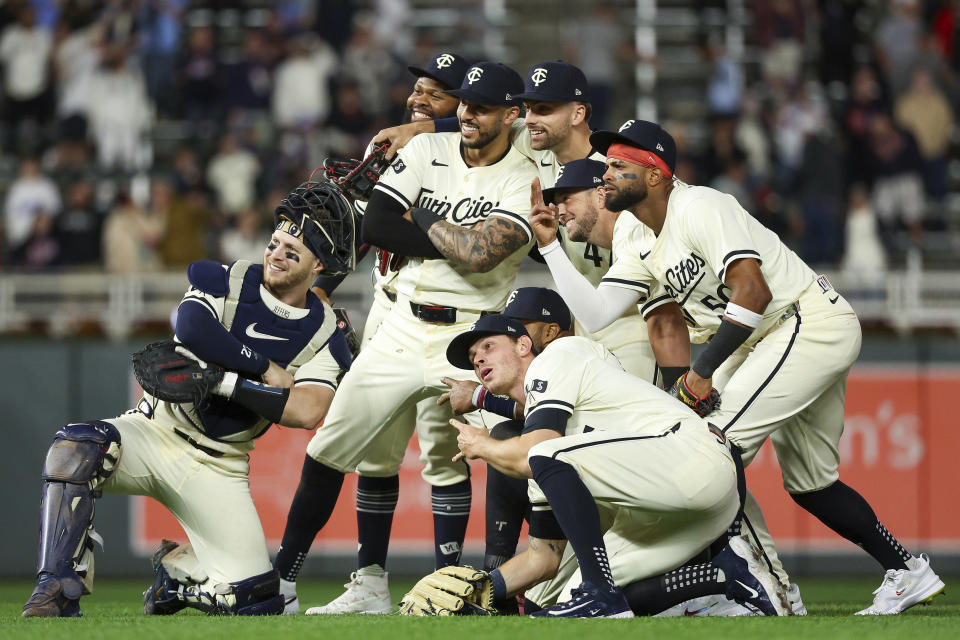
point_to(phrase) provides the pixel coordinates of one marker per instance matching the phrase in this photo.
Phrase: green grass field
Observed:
(114, 611)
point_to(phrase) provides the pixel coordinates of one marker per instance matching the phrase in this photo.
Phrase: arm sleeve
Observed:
(384, 226)
(446, 125)
(201, 332)
(593, 308)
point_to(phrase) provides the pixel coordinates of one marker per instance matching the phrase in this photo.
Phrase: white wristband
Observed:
(550, 248)
(227, 385)
(744, 316)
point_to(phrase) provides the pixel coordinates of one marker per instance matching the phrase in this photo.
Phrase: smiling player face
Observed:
(578, 212)
(480, 124)
(549, 123)
(427, 101)
(287, 264)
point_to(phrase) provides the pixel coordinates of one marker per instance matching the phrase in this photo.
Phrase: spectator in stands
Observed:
(864, 261)
(25, 50)
(80, 227)
(897, 172)
(76, 58)
(897, 41)
(32, 194)
(725, 84)
(186, 219)
(837, 41)
(41, 249)
(752, 136)
(130, 238)
(924, 111)
(200, 88)
(159, 42)
(818, 189)
(367, 63)
(301, 92)
(780, 27)
(349, 121)
(245, 238)
(867, 101)
(187, 172)
(800, 115)
(232, 173)
(119, 111)
(249, 82)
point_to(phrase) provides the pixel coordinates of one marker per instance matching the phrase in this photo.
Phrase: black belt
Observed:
(433, 313)
(207, 450)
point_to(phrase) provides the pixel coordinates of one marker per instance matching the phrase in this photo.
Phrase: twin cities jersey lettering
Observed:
(581, 379)
(704, 233)
(430, 172)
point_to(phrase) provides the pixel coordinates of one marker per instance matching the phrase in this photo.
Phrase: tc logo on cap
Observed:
(474, 74)
(538, 76)
(626, 125)
(444, 61)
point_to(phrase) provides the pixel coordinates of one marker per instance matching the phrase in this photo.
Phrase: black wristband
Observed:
(424, 218)
(669, 375)
(725, 341)
(263, 400)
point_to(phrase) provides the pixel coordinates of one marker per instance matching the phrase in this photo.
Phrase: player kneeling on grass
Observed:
(595, 434)
(278, 354)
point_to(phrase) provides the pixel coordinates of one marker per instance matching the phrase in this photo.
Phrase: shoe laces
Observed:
(891, 579)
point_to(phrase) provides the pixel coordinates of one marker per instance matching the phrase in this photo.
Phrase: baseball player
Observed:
(462, 192)
(593, 433)
(283, 352)
(781, 339)
(378, 483)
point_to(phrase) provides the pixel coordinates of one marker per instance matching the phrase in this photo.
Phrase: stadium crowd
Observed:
(145, 135)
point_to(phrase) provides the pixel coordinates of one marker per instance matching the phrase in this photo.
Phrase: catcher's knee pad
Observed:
(81, 457)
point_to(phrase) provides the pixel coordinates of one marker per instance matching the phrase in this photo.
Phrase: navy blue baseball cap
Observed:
(577, 174)
(497, 324)
(447, 68)
(538, 304)
(642, 134)
(555, 81)
(490, 83)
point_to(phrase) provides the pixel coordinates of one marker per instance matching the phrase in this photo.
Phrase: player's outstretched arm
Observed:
(397, 137)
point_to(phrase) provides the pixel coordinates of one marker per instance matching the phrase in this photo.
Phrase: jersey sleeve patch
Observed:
(209, 276)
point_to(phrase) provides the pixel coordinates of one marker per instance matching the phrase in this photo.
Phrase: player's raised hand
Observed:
(460, 395)
(471, 440)
(543, 217)
(400, 135)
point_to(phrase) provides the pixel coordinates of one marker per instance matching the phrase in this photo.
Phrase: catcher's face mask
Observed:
(321, 217)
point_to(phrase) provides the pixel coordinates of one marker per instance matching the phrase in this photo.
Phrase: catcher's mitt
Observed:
(450, 591)
(357, 178)
(167, 375)
(704, 406)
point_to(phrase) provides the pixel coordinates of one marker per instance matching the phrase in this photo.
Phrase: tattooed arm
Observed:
(480, 247)
(538, 562)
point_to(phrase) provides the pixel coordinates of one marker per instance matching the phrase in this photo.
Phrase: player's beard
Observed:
(583, 225)
(484, 136)
(550, 138)
(279, 285)
(625, 197)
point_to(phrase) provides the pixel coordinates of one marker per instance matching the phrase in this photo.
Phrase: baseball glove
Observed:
(704, 406)
(450, 591)
(357, 178)
(167, 375)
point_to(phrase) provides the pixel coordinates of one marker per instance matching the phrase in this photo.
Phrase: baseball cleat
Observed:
(796, 603)
(588, 601)
(904, 588)
(714, 606)
(48, 600)
(364, 594)
(291, 603)
(748, 581)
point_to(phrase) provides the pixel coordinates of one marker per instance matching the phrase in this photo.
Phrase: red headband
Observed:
(639, 156)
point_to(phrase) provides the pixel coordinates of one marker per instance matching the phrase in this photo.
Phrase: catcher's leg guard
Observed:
(258, 596)
(81, 457)
(163, 597)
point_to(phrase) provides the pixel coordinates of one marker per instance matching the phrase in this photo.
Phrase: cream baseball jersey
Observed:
(579, 380)
(704, 232)
(430, 172)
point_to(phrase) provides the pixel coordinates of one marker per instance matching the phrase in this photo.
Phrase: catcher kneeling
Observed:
(253, 347)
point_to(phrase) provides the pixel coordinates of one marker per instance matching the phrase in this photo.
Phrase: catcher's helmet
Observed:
(319, 214)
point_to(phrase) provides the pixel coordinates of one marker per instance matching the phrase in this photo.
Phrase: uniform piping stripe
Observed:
(783, 358)
(585, 445)
(202, 301)
(316, 382)
(396, 195)
(736, 255)
(553, 404)
(652, 302)
(753, 534)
